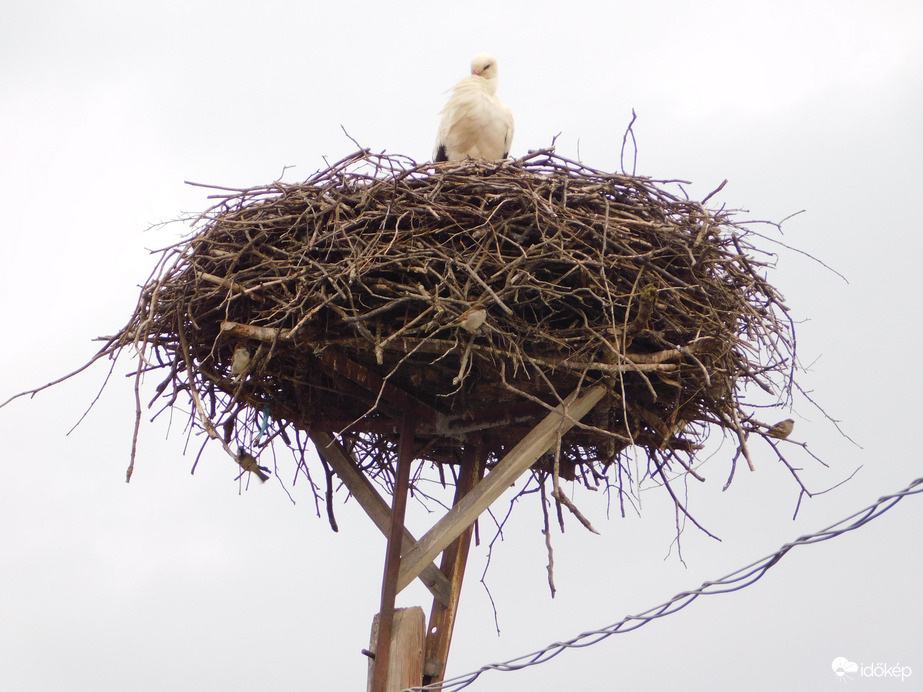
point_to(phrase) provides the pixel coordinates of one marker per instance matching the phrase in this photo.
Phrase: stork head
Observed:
(484, 66)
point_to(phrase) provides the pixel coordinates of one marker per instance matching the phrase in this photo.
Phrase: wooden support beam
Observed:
(405, 667)
(378, 386)
(513, 465)
(406, 449)
(375, 506)
(454, 559)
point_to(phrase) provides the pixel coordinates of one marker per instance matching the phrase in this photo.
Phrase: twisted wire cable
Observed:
(739, 579)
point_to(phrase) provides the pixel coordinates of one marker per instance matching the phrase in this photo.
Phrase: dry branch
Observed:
(347, 294)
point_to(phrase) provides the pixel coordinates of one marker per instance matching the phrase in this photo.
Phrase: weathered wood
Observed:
(454, 559)
(377, 385)
(375, 506)
(405, 665)
(405, 454)
(513, 465)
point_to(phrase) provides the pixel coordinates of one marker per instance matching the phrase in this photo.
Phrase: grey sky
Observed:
(180, 582)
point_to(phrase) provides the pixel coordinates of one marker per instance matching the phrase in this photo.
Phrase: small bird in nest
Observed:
(782, 429)
(240, 361)
(472, 318)
(249, 463)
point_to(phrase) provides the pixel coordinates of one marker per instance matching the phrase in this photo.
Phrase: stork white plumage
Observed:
(475, 122)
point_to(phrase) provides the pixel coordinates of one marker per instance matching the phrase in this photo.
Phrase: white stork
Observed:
(475, 123)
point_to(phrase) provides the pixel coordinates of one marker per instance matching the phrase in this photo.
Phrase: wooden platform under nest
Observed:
(475, 295)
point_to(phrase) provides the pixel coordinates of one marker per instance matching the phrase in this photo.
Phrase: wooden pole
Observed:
(454, 559)
(393, 555)
(405, 666)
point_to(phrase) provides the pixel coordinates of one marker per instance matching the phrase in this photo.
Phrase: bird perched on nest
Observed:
(472, 318)
(475, 122)
(248, 463)
(240, 361)
(782, 429)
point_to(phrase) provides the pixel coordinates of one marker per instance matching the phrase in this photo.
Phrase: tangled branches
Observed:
(476, 296)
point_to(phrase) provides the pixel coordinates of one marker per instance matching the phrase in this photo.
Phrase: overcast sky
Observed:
(186, 582)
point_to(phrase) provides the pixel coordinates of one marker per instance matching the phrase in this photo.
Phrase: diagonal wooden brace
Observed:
(375, 506)
(514, 464)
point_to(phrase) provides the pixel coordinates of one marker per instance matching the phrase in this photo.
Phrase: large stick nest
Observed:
(345, 300)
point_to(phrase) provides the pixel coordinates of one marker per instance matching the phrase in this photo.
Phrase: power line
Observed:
(739, 579)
